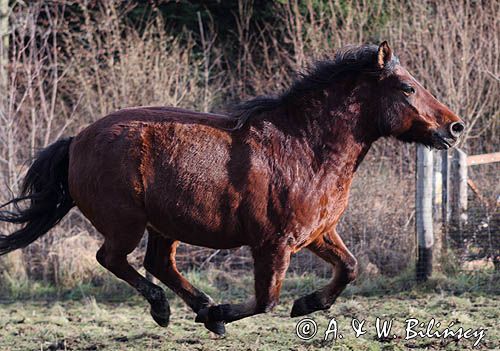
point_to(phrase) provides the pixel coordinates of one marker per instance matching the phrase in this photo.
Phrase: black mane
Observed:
(320, 75)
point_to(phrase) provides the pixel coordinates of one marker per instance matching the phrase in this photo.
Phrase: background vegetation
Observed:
(65, 64)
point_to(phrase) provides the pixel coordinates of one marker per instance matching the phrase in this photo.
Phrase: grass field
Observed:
(119, 320)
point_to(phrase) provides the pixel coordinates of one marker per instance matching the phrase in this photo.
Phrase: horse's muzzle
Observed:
(443, 142)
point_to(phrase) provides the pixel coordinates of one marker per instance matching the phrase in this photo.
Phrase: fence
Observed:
(442, 209)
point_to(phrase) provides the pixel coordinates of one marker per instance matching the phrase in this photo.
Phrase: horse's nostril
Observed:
(456, 128)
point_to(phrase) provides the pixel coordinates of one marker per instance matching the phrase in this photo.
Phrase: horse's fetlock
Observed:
(153, 294)
(157, 294)
(266, 307)
(352, 270)
(202, 302)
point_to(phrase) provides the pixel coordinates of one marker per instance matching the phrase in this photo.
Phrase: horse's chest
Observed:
(313, 216)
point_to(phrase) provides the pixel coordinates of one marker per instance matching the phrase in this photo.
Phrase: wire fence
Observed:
(477, 245)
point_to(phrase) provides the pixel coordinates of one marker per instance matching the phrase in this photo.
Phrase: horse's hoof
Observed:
(299, 308)
(161, 314)
(161, 320)
(216, 327)
(217, 313)
(307, 304)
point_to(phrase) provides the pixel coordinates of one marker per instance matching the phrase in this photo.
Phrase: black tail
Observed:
(46, 188)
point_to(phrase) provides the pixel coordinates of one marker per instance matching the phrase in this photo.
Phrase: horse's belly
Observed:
(196, 234)
(202, 217)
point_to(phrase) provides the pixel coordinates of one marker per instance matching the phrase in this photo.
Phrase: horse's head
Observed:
(408, 111)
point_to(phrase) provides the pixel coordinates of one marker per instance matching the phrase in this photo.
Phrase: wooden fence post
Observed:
(458, 206)
(423, 212)
(437, 189)
(437, 208)
(445, 199)
(445, 202)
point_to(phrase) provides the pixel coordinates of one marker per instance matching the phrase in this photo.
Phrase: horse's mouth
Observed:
(443, 143)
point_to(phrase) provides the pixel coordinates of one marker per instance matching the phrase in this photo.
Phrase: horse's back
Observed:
(131, 131)
(162, 162)
(156, 114)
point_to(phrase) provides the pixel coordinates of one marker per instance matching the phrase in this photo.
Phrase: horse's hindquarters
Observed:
(103, 177)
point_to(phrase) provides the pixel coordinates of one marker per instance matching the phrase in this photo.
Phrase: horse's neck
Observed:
(339, 131)
(343, 151)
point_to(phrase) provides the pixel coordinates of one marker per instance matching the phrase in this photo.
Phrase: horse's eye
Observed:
(408, 89)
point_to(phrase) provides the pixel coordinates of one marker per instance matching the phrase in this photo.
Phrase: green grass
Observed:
(112, 317)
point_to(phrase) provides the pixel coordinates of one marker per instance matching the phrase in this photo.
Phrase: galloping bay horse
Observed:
(274, 176)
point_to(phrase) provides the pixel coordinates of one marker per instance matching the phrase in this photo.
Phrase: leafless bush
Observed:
(115, 66)
(31, 112)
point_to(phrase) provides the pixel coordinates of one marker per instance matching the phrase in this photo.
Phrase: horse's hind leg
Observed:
(113, 256)
(160, 262)
(331, 248)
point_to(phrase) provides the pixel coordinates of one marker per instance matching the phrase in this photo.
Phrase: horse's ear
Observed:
(384, 54)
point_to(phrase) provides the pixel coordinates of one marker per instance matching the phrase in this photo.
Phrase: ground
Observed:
(96, 323)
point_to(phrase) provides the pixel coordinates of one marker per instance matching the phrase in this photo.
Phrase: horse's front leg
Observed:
(332, 249)
(270, 265)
